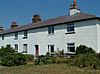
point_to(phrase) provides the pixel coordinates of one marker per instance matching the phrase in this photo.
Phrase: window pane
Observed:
(25, 48)
(52, 48)
(16, 35)
(8, 45)
(49, 30)
(52, 29)
(70, 27)
(2, 37)
(25, 33)
(16, 47)
(71, 47)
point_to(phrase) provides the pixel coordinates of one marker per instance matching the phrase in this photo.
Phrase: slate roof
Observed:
(54, 21)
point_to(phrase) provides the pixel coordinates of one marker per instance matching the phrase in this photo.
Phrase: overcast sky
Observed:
(21, 11)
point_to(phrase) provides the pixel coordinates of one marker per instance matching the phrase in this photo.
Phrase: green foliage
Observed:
(13, 59)
(43, 60)
(5, 51)
(87, 60)
(82, 49)
(29, 58)
(9, 57)
(58, 60)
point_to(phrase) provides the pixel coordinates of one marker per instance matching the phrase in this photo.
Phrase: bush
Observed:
(9, 57)
(5, 51)
(86, 60)
(13, 60)
(29, 58)
(41, 60)
(82, 49)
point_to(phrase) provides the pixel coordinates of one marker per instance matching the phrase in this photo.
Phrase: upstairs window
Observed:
(70, 47)
(25, 34)
(70, 27)
(51, 30)
(2, 37)
(16, 35)
(24, 48)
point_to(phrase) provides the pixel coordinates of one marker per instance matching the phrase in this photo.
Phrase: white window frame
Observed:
(49, 48)
(50, 29)
(16, 47)
(25, 34)
(16, 35)
(70, 45)
(70, 25)
(25, 47)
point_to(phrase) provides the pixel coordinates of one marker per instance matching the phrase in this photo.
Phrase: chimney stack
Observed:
(1, 28)
(74, 9)
(36, 18)
(14, 25)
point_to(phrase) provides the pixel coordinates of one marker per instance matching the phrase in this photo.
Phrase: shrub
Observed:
(86, 60)
(29, 58)
(4, 51)
(58, 60)
(41, 60)
(20, 59)
(13, 60)
(9, 57)
(82, 49)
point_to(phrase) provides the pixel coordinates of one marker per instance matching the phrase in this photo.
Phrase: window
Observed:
(25, 34)
(16, 35)
(24, 48)
(2, 37)
(51, 30)
(51, 48)
(70, 27)
(70, 47)
(16, 47)
(8, 46)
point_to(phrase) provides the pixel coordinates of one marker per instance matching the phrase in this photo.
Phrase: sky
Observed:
(22, 11)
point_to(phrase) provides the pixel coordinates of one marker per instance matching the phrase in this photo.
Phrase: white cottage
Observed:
(63, 33)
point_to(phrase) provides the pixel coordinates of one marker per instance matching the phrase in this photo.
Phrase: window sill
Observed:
(15, 38)
(25, 37)
(70, 33)
(16, 51)
(70, 53)
(24, 52)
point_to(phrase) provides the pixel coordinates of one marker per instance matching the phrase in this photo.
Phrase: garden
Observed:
(85, 61)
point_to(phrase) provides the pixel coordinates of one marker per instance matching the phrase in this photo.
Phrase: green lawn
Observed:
(46, 69)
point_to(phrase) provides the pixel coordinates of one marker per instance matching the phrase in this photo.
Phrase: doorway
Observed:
(36, 50)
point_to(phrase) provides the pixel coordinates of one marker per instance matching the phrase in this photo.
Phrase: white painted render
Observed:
(86, 33)
(74, 11)
(98, 35)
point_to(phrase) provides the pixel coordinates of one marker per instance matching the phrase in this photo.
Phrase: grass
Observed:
(46, 69)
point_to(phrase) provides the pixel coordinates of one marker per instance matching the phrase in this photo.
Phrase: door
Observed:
(36, 50)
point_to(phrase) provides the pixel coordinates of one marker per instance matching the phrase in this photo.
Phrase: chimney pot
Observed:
(1, 28)
(14, 25)
(36, 18)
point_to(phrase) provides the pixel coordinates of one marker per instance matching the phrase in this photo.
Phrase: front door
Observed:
(36, 50)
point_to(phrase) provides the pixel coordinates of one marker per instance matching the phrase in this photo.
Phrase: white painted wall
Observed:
(85, 34)
(98, 35)
(74, 11)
